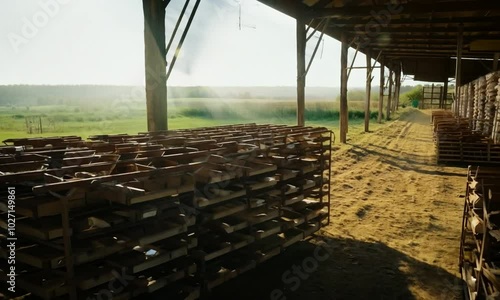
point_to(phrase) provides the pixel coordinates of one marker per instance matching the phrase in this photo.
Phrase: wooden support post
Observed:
(343, 90)
(389, 97)
(368, 90)
(381, 97)
(40, 123)
(398, 88)
(432, 96)
(68, 253)
(445, 95)
(155, 58)
(395, 90)
(495, 62)
(301, 70)
(458, 69)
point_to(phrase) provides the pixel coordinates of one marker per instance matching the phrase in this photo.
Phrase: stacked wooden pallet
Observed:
(495, 135)
(470, 112)
(490, 107)
(125, 215)
(441, 116)
(480, 104)
(480, 240)
(457, 143)
(464, 100)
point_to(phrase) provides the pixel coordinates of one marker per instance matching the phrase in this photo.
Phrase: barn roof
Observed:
(421, 35)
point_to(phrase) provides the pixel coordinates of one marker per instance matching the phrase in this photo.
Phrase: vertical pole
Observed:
(68, 253)
(301, 70)
(389, 97)
(155, 59)
(445, 94)
(343, 89)
(381, 97)
(398, 88)
(458, 69)
(495, 62)
(40, 122)
(432, 96)
(368, 90)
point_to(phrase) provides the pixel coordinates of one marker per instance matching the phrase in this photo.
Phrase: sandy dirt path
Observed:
(394, 231)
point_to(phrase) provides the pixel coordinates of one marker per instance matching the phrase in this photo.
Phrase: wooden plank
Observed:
(344, 114)
(155, 64)
(381, 93)
(301, 69)
(389, 97)
(368, 90)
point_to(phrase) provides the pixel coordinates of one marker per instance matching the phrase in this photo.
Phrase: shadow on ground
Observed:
(353, 270)
(415, 162)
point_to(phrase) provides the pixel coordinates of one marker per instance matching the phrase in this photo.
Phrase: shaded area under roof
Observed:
(420, 35)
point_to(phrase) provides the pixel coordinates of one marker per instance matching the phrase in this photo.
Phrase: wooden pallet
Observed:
(164, 206)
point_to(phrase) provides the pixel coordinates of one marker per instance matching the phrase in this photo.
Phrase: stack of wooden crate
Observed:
(124, 215)
(464, 100)
(490, 107)
(480, 103)
(495, 135)
(480, 239)
(457, 143)
(470, 112)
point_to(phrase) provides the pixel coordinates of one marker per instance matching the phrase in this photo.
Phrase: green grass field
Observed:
(130, 116)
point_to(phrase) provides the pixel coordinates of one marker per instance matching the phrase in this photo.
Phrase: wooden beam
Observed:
(352, 63)
(495, 62)
(179, 20)
(183, 38)
(397, 89)
(404, 9)
(389, 96)
(363, 68)
(155, 60)
(344, 114)
(68, 253)
(368, 90)
(449, 48)
(301, 70)
(317, 45)
(458, 69)
(403, 50)
(381, 96)
(416, 41)
(399, 55)
(485, 45)
(341, 21)
(412, 30)
(445, 94)
(445, 36)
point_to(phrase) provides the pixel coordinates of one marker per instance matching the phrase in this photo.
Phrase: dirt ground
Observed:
(395, 226)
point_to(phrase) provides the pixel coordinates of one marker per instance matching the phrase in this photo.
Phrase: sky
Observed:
(102, 42)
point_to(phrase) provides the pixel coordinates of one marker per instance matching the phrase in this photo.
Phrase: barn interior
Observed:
(281, 211)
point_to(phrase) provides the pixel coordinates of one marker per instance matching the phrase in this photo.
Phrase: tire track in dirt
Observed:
(394, 193)
(395, 225)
